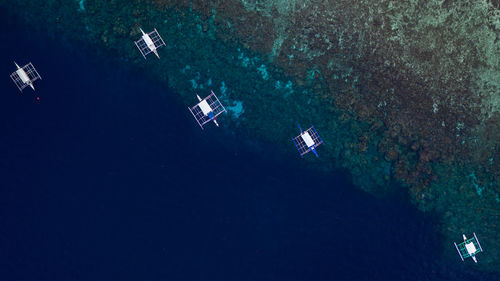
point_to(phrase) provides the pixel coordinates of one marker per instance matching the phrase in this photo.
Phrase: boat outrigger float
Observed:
(469, 248)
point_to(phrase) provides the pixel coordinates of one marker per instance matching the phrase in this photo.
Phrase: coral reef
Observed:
(402, 92)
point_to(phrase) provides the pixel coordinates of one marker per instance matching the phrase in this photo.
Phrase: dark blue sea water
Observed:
(109, 178)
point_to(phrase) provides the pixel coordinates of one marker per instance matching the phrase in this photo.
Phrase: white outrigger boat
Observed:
(149, 43)
(25, 76)
(307, 140)
(207, 109)
(469, 248)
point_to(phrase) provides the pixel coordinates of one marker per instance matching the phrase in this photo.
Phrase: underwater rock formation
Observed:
(403, 92)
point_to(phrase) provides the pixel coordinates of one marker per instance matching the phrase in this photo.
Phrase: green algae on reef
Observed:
(402, 91)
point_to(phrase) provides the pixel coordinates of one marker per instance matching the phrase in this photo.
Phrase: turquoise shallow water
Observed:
(108, 178)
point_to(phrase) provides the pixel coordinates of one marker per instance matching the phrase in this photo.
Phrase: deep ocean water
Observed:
(109, 178)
